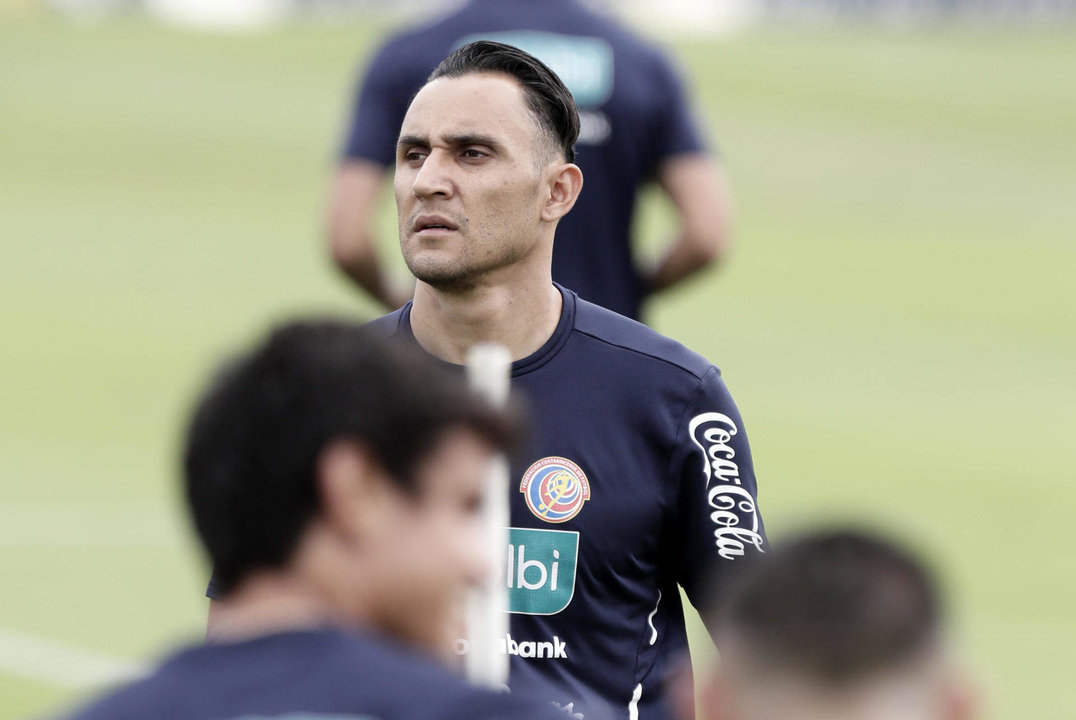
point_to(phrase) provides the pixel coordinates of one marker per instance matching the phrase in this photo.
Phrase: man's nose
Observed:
(434, 176)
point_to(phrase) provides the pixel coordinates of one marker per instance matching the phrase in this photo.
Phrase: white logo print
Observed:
(568, 710)
(530, 649)
(734, 511)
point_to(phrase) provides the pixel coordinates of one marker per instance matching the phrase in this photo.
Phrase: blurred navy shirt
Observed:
(326, 673)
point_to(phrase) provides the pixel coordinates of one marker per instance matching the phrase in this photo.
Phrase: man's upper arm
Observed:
(367, 156)
(356, 188)
(719, 521)
(380, 103)
(368, 151)
(697, 186)
(676, 130)
(691, 177)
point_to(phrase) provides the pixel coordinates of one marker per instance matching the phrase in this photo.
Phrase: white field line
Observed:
(60, 664)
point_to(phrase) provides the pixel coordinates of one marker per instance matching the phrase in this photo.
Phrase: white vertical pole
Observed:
(489, 369)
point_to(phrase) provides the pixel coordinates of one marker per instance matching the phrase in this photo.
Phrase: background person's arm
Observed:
(698, 188)
(353, 201)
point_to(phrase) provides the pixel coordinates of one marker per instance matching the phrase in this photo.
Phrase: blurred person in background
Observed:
(335, 484)
(833, 625)
(636, 127)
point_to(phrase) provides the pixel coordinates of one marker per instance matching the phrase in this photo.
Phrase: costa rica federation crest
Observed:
(555, 489)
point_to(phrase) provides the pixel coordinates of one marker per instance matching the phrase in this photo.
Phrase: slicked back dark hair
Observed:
(255, 436)
(836, 606)
(549, 99)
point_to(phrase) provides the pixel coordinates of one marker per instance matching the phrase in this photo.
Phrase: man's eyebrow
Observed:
(412, 141)
(463, 139)
(472, 139)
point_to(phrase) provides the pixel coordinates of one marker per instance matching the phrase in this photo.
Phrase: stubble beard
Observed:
(463, 273)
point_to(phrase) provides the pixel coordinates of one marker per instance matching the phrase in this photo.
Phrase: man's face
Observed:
(469, 179)
(432, 550)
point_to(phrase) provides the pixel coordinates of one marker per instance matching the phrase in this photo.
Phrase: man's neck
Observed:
(266, 605)
(519, 315)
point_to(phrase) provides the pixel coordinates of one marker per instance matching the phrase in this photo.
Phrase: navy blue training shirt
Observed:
(639, 480)
(632, 108)
(324, 674)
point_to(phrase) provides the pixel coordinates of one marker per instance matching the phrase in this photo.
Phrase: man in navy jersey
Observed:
(641, 477)
(335, 485)
(834, 625)
(636, 128)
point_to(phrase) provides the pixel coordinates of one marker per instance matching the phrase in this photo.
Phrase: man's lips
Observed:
(433, 224)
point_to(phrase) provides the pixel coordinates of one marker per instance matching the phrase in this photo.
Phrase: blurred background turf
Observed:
(897, 323)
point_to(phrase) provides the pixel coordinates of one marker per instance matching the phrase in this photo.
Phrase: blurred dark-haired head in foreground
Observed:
(347, 470)
(336, 484)
(834, 625)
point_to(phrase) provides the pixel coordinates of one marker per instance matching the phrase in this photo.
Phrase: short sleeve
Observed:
(380, 104)
(677, 131)
(719, 523)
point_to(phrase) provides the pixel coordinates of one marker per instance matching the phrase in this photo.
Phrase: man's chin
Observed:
(442, 278)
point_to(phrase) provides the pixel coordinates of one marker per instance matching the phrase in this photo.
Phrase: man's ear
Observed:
(353, 490)
(565, 183)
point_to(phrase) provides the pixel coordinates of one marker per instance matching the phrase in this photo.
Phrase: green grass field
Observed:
(898, 322)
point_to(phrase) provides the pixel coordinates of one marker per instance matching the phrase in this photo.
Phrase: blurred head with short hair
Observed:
(835, 625)
(332, 477)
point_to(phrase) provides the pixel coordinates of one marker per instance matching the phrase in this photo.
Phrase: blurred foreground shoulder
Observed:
(347, 675)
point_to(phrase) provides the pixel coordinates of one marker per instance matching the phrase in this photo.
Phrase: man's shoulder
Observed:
(633, 341)
(381, 674)
(387, 326)
(638, 52)
(444, 31)
(399, 682)
(416, 49)
(357, 676)
(433, 34)
(131, 701)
